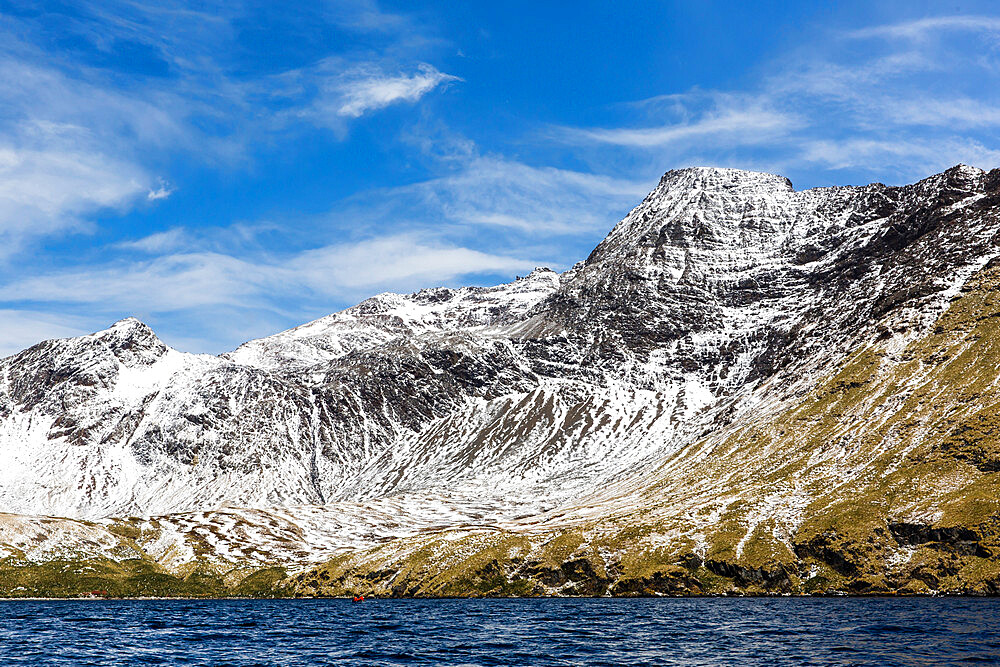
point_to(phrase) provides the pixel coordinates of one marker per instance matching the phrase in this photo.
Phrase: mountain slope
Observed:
(884, 477)
(725, 320)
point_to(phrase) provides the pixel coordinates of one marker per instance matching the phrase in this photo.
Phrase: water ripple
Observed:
(286, 633)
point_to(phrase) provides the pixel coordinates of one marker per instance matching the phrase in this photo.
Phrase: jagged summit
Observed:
(962, 169)
(389, 316)
(127, 323)
(131, 341)
(538, 273)
(958, 179)
(739, 181)
(128, 327)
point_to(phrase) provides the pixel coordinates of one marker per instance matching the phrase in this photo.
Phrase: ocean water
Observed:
(714, 631)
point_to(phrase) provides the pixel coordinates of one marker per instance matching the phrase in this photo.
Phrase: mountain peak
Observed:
(962, 168)
(698, 205)
(723, 179)
(129, 328)
(964, 175)
(132, 341)
(129, 322)
(539, 273)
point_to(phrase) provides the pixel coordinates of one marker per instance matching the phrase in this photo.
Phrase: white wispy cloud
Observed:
(921, 157)
(364, 89)
(162, 192)
(921, 28)
(491, 191)
(897, 114)
(399, 261)
(168, 282)
(954, 113)
(70, 148)
(158, 243)
(76, 139)
(186, 280)
(43, 95)
(335, 91)
(367, 15)
(52, 186)
(724, 124)
(51, 182)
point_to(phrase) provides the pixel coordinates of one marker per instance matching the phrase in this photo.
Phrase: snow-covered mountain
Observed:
(724, 296)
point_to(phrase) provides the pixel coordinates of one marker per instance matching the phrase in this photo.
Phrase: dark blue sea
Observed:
(715, 631)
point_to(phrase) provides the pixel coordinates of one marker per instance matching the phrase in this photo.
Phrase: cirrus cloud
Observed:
(368, 88)
(897, 111)
(193, 279)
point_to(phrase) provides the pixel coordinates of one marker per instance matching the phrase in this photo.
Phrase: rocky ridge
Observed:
(570, 433)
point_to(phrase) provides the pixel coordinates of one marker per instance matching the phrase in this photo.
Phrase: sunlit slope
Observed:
(883, 477)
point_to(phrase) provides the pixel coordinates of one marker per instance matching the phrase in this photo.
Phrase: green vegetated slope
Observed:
(73, 577)
(884, 478)
(124, 568)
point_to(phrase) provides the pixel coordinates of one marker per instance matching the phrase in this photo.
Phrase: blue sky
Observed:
(225, 170)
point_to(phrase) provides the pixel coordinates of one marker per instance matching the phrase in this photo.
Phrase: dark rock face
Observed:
(71, 371)
(940, 561)
(744, 278)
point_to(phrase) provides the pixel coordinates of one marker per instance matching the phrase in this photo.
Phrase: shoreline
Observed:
(838, 595)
